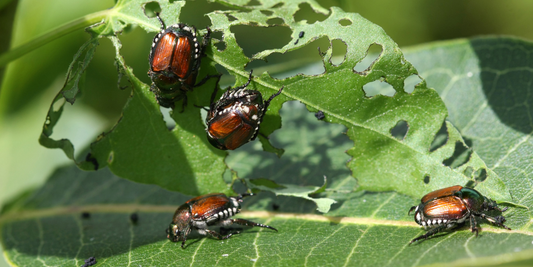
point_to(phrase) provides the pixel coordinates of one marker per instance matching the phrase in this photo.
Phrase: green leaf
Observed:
(485, 85)
(46, 227)
(141, 149)
(323, 204)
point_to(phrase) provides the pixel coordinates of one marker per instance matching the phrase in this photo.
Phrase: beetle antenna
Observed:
(160, 21)
(249, 79)
(213, 95)
(272, 97)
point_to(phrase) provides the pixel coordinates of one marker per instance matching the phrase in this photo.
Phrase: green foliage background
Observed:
(452, 68)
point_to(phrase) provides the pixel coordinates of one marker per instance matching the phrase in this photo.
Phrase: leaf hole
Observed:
(441, 138)
(306, 13)
(470, 184)
(426, 179)
(278, 5)
(339, 52)
(56, 106)
(480, 175)
(468, 172)
(372, 54)
(267, 12)
(461, 155)
(345, 22)
(378, 87)
(151, 8)
(275, 21)
(410, 83)
(280, 66)
(217, 38)
(399, 131)
(226, 80)
(167, 118)
(257, 39)
(231, 18)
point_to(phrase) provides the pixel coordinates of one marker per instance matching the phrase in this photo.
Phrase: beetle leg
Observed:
(473, 224)
(219, 236)
(252, 224)
(184, 235)
(205, 42)
(410, 210)
(498, 220)
(241, 196)
(431, 232)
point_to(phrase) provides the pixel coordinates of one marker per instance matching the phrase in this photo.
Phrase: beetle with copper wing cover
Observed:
(448, 207)
(175, 59)
(202, 212)
(235, 118)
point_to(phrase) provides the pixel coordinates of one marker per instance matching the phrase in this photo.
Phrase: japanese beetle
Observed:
(234, 120)
(448, 207)
(175, 59)
(205, 211)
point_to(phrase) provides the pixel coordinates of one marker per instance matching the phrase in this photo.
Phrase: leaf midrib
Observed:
(129, 208)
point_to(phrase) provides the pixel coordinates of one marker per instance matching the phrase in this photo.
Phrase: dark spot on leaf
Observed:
(275, 21)
(85, 215)
(461, 155)
(441, 138)
(307, 13)
(372, 54)
(339, 52)
(399, 131)
(134, 218)
(111, 156)
(410, 83)
(90, 262)
(480, 175)
(151, 8)
(426, 179)
(378, 87)
(295, 43)
(345, 22)
(267, 12)
(301, 34)
(93, 160)
(320, 115)
(253, 3)
(275, 206)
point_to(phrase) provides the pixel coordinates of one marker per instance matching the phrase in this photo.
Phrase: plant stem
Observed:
(51, 35)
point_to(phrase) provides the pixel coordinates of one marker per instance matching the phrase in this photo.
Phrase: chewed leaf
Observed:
(141, 148)
(323, 204)
(95, 220)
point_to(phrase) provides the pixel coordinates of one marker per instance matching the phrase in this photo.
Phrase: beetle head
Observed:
(490, 204)
(180, 226)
